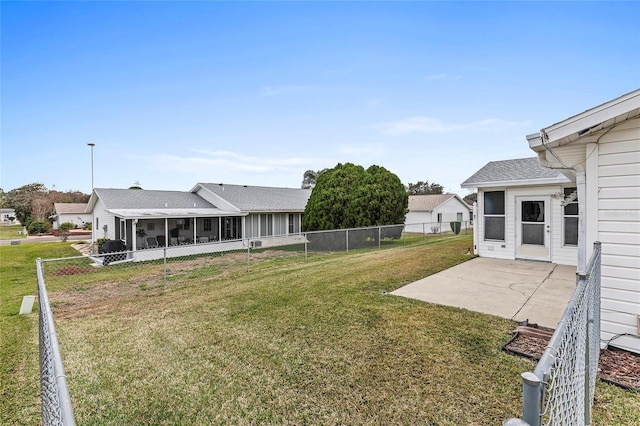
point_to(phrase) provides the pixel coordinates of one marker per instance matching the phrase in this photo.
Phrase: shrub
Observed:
(38, 227)
(87, 226)
(63, 230)
(99, 242)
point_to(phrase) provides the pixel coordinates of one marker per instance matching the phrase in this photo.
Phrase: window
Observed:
(494, 215)
(266, 225)
(291, 224)
(207, 224)
(151, 226)
(439, 217)
(570, 213)
(532, 220)
(459, 217)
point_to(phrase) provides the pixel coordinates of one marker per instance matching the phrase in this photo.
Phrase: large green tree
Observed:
(349, 196)
(21, 199)
(35, 201)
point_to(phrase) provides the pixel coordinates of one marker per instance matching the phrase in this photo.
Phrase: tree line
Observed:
(34, 202)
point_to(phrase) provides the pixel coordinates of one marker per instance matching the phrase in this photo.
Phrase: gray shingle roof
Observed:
(150, 199)
(261, 198)
(521, 171)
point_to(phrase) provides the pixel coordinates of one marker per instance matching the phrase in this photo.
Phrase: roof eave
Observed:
(525, 182)
(588, 122)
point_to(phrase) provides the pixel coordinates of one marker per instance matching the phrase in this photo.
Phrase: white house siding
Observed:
(102, 217)
(424, 221)
(78, 219)
(418, 222)
(450, 209)
(565, 255)
(618, 183)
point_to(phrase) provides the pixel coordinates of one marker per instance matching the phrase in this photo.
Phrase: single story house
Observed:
(524, 211)
(432, 213)
(70, 212)
(5, 214)
(230, 215)
(584, 188)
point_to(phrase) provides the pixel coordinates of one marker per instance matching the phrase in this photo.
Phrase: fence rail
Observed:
(54, 393)
(560, 390)
(156, 268)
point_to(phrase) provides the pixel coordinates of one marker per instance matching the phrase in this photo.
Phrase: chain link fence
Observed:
(131, 273)
(54, 394)
(560, 390)
(160, 266)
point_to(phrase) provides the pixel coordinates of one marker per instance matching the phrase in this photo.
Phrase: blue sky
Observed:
(175, 93)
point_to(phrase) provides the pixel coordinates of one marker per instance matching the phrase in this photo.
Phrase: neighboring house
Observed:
(5, 214)
(588, 190)
(269, 211)
(208, 213)
(70, 212)
(433, 213)
(521, 213)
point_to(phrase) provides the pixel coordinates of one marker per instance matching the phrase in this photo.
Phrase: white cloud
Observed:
(422, 124)
(225, 161)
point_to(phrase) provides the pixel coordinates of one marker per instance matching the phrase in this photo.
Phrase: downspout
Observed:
(580, 173)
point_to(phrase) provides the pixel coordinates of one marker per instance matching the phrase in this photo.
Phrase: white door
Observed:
(533, 233)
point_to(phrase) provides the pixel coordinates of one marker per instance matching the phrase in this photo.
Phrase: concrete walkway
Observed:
(513, 289)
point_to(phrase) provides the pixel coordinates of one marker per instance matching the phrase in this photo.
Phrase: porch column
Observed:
(195, 227)
(166, 232)
(134, 234)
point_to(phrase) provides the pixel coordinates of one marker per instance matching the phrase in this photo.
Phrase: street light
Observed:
(91, 145)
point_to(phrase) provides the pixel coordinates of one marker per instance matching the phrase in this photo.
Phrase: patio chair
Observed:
(152, 242)
(161, 241)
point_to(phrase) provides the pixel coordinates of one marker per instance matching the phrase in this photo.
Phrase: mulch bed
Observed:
(616, 366)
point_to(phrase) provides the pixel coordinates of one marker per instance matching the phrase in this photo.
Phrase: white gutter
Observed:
(580, 173)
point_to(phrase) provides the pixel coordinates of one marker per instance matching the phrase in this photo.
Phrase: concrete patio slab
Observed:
(513, 289)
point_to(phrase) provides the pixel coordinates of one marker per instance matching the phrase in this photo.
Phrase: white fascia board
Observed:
(537, 182)
(214, 198)
(579, 125)
(93, 199)
(168, 213)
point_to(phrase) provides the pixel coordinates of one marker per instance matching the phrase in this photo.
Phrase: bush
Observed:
(99, 242)
(63, 230)
(87, 226)
(38, 227)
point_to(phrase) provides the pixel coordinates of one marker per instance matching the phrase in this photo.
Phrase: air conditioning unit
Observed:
(255, 244)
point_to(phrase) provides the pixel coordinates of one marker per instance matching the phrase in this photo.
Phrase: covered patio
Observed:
(173, 227)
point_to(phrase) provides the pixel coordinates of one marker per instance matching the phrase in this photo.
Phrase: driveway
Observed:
(513, 289)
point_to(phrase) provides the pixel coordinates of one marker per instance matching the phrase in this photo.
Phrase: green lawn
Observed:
(291, 342)
(19, 375)
(11, 232)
